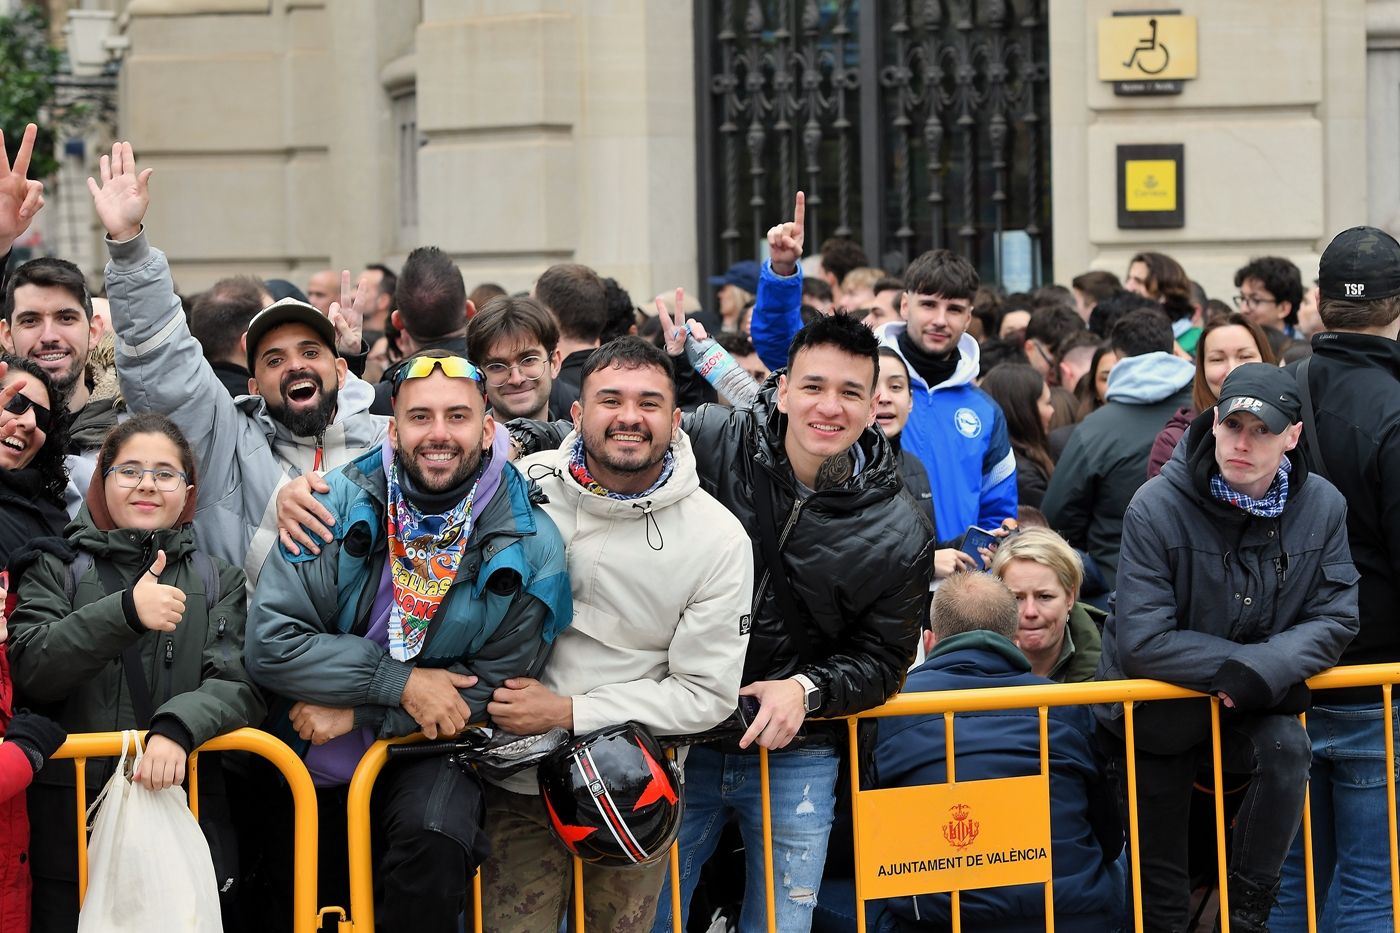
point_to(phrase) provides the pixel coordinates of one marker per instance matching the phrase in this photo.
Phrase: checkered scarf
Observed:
(1270, 505)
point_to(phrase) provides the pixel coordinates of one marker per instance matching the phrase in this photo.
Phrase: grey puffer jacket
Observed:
(244, 454)
(1202, 584)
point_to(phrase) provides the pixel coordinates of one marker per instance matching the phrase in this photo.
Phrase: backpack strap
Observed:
(79, 566)
(209, 573)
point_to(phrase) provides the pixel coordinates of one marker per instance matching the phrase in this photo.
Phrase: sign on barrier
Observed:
(989, 833)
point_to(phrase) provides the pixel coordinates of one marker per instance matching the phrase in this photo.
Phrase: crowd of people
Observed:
(386, 505)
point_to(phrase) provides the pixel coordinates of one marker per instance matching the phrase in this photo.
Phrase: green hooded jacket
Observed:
(65, 656)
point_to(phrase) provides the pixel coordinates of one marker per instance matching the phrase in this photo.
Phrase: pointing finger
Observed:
(799, 213)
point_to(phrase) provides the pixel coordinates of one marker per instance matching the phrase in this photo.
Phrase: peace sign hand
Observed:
(785, 240)
(673, 329)
(11, 427)
(348, 314)
(122, 198)
(20, 198)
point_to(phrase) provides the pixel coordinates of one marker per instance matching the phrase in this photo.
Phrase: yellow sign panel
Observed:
(1149, 185)
(978, 834)
(1147, 48)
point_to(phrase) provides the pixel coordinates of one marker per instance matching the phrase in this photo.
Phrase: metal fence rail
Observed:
(947, 704)
(79, 748)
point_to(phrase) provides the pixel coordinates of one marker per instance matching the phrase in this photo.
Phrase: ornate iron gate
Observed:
(910, 125)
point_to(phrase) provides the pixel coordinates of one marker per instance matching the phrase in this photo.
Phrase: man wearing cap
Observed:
(304, 410)
(442, 581)
(1235, 580)
(1353, 379)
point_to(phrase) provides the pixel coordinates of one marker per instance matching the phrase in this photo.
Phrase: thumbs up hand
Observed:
(159, 607)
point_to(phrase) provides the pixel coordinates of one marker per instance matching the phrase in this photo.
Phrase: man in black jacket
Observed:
(1354, 381)
(854, 563)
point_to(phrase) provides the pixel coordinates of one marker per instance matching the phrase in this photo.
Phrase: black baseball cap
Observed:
(288, 311)
(1360, 264)
(1262, 390)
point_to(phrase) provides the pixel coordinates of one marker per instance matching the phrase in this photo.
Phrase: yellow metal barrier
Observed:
(947, 704)
(79, 748)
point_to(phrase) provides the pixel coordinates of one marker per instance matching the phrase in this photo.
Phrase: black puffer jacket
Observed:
(859, 558)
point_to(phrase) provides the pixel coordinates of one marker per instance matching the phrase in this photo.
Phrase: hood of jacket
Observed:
(1193, 462)
(969, 356)
(1149, 378)
(555, 463)
(128, 547)
(878, 479)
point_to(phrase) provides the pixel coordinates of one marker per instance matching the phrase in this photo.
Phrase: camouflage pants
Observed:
(526, 884)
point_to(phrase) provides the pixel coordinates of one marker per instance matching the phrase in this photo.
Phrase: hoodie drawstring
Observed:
(650, 519)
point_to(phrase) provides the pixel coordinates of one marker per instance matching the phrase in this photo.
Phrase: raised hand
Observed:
(785, 240)
(673, 329)
(348, 314)
(159, 607)
(20, 198)
(122, 198)
(9, 428)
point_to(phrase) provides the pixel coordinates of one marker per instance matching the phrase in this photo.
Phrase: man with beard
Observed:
(304, 410)
(664, 648)
(442, 583)
(842, 563)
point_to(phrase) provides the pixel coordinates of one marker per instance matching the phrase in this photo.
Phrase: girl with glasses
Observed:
(126, 625)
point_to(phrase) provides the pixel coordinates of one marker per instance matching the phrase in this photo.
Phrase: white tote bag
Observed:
(149, 869)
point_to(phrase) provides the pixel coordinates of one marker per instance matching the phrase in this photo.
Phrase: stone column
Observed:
(1273, 129)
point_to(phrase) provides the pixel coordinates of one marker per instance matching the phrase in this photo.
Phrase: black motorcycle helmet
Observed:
(613, 797)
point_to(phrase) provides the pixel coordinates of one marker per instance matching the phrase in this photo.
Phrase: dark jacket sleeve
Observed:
(1069, 498)
(868, 664)
(55, 648)
(1148, 640)
(226, 698)
(1329, 620)
(534, 436)
(1031, 482)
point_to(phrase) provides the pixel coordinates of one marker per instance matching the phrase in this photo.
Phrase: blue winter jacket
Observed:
(1085, 833)
(956, 431)
(960, 436)
(310, 613)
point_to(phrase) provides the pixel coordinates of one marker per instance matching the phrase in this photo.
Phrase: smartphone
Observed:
(975, 538)
(748, 710)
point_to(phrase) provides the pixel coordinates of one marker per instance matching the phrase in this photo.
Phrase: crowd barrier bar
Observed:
(79, 748)
(947, 704)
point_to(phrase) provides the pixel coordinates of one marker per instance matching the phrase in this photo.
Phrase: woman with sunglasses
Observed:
(32, 475)
(130, 627)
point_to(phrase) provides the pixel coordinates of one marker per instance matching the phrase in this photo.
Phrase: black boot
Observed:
(1250, 904)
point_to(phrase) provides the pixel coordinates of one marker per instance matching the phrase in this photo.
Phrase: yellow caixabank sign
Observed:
(953, 837)
(1160, 47)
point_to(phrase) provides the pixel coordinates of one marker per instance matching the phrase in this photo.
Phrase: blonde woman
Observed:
(1059, 635)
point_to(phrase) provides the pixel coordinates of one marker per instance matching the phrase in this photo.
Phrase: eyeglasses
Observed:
(531, 368)
(422, 366)
(22, 403)
(1253, 301)
(129, 476)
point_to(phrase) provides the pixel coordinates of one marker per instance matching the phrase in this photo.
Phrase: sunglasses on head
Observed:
(21, 403)
(453, 367)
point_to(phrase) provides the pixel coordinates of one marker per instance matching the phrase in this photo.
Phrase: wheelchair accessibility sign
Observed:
(1147, 52)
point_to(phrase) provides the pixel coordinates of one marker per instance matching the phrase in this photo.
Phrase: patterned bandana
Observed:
(424, 553)
(578, 469)
(1270, 505)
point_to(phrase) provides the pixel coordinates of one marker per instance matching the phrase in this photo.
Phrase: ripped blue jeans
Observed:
(802, 795)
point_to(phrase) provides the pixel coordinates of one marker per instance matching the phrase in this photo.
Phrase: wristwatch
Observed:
(812, 691)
